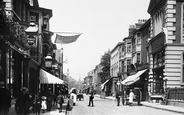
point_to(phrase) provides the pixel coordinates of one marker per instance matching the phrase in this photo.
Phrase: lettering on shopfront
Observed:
(157, 43)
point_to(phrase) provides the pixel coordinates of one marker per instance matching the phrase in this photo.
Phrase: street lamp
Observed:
(48, 61)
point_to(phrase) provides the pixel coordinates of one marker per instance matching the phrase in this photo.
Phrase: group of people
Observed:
(48, 100)
(25, 104)
(131, 97)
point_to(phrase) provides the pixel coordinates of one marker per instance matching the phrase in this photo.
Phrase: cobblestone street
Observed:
(109, 107)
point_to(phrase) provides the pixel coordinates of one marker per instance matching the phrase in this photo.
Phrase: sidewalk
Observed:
(156, 105)
(54, 111)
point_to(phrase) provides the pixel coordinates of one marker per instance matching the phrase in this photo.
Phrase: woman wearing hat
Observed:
(23, 102)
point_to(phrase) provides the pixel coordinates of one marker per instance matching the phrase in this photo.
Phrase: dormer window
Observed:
(34, 17)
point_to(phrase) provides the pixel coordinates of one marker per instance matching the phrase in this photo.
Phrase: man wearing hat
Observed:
(5, 99)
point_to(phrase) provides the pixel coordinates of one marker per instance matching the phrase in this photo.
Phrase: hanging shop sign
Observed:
(32, 40)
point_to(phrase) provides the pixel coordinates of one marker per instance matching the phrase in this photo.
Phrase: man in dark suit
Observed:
(91, 97)
(118, 97)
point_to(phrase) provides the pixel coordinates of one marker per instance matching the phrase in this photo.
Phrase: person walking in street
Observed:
(37, 105)
(23, 102)
(118, 97)
(60, 101)
(43, 103)
(91, 97)
(131, 97)
(54, 99)
(49, 96)
(5, 99)
(123, 97)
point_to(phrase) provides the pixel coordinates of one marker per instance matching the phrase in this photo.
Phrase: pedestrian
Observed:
(5, 99)
(37, 105)
(123, 97)
(73, 95)
(54, 99)
(138, 95)
(49, 96)
(43, 103)
(23, 102)
(131, 97)
(118, 97)
(60, 101)
(91, 97)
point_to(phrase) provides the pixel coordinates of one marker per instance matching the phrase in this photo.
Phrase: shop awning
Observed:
(47, 78)
(133, 78)
(102, 85)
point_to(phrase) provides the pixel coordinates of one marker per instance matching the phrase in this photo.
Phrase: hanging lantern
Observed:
(48, 61)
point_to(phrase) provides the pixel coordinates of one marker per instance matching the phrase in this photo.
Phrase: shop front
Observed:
(157, 78)
(11, 66)
(137, 80)
(48, 80)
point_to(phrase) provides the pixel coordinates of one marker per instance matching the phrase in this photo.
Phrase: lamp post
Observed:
(62, 63)
(67, 73)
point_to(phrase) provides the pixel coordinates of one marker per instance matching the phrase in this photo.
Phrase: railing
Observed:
(176, 94)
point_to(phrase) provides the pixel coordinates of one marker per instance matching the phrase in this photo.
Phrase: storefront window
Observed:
(158, 59)
(10, 70)
(158, 65)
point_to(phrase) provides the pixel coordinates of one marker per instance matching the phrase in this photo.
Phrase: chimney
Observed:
(131, 29)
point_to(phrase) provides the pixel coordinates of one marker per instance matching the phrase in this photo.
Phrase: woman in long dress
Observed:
(131, 97)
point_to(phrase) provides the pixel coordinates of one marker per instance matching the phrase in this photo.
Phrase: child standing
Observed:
(44, 104)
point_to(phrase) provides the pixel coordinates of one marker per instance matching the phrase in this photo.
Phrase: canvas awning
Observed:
(133, 78)
(47, 78)
(102, 85)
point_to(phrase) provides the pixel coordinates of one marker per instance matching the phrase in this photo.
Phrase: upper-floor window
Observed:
(128, 62)
(138, 34)
(24, 12)
(34, 17)
(182, 23)
(138, 58)
(138, 38)
(129, 47)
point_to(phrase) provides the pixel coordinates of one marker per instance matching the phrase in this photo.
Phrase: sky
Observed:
(103, 23)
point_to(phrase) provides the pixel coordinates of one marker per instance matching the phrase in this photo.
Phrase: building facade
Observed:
(97, 79)
(25, 41)
(115, 67)
(166, 47)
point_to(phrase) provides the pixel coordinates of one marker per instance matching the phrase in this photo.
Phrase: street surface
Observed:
(109, 107)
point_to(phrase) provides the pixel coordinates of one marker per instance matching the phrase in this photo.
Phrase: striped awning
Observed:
(102, 85)
(47, 78)
(133, 78)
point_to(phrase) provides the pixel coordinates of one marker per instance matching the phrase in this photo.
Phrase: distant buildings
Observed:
(151, 57)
